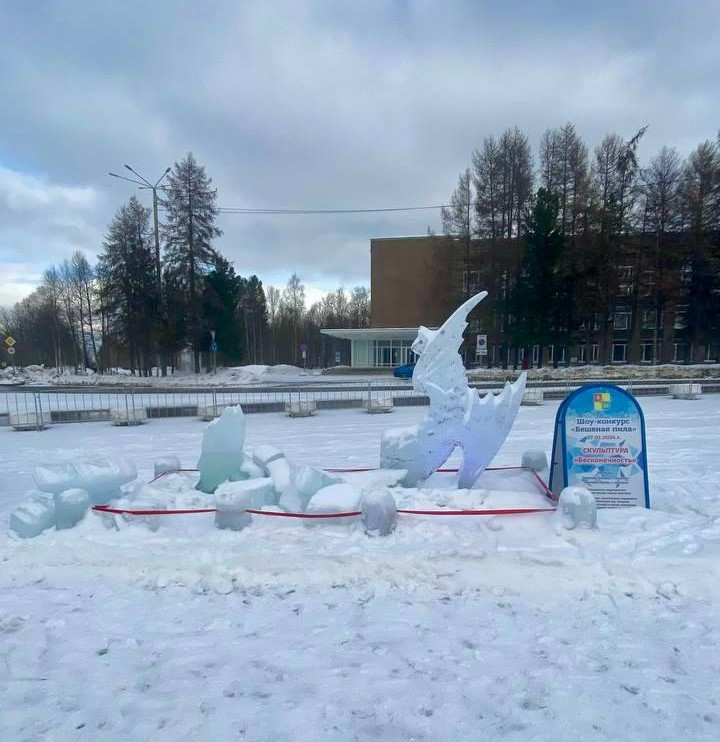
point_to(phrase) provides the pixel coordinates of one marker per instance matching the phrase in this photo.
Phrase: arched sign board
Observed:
(599, 444)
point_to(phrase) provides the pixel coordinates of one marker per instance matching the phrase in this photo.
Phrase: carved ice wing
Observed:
(439, 362)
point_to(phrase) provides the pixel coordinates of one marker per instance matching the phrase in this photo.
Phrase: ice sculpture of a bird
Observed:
(458, 415)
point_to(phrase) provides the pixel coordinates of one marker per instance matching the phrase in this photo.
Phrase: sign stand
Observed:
(600, 444)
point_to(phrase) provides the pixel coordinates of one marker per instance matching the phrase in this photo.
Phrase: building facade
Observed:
(649, 302)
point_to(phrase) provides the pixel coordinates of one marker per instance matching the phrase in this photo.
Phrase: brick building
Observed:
(641, 300)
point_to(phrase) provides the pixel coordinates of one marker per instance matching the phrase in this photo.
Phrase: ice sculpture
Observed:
(222, 456)
(458, 415)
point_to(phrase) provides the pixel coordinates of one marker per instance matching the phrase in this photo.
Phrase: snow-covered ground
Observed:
(450, 629)
(284, 374)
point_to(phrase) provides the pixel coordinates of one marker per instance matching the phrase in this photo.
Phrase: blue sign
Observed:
(213, 346)
(599, 444)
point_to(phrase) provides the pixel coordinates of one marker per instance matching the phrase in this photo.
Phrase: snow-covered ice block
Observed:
(231, 510)
(252, 469)
(535, 459)
(34, 516)
(261, 491)
(129, 416)
(264, 454)
(166, 465)
(685, 391)
(27, 421)
(291, 501)
(307, 480)
(379, 512)
(222, 450)
(279, 470)
(70, 507)
(101, 478)
(337, 498)
(577, 508)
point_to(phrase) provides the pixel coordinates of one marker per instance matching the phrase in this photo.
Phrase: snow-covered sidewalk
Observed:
(507, 628)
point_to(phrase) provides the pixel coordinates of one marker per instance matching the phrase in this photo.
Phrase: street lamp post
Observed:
(145, 184)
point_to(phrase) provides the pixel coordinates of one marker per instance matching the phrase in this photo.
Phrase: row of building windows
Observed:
(590, 353)
(622, 320)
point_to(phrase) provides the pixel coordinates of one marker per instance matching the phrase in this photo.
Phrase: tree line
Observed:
(571, 235)
(134, 311)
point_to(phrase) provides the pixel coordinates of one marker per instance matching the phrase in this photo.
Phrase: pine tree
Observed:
(189, 230)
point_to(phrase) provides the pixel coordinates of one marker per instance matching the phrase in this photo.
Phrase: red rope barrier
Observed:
(353, 513)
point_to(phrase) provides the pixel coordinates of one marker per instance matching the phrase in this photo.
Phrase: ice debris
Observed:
(337, 498)
(379, 512)
(222, 454)
(261, 491)
(70, 507)
(577, 508)
(231, 510)
(101, 478)
(34, 516)
(166, 465)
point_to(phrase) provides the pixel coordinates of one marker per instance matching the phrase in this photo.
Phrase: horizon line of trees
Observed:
(577, 217)
(130, 311)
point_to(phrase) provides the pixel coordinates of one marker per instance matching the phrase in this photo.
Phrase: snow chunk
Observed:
(379, 512)
(70, 507)
(101, 478)
(263, 455)
(337, 498)
(535, 459)
(222, 450)
(279, 470)
(261, 491)
(307, 480)
(34, 516)
(291, 501)
(577, 507)
(231, 510)
(166, 465)
(252, 470)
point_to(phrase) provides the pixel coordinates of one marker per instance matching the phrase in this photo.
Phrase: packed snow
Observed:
(166, 628)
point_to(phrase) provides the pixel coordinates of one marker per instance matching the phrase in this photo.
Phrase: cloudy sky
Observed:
(317, 105)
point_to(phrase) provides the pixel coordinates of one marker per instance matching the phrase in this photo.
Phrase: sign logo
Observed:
(601, 401)
(10, 341)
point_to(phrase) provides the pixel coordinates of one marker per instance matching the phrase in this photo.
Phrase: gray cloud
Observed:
(333, 104)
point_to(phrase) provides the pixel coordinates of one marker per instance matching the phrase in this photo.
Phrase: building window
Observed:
(556, 355)
(596, 321)
(535, 354)
(582, 355)
(678, 352)
(648, 283)
(710, 353)
(647, 353)
(648, 319)
(625, 280)
(594, 353)
(471, 282)
(686, 273)
(619, 352)
(680, 322)
(621, 319)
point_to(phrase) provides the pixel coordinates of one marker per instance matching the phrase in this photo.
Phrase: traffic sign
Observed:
(303, 347)
(11, 351)
(10, 341)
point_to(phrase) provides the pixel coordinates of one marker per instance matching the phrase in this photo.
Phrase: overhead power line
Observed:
(280, 212)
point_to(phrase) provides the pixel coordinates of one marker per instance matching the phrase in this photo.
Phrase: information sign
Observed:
(599, 443)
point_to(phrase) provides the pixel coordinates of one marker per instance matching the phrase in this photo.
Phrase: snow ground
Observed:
(452, 629)
(284, 374)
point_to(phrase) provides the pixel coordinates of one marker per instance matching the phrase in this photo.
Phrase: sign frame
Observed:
(559, 470)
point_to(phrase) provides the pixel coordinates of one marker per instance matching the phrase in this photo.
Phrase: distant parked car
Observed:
(404, 372)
